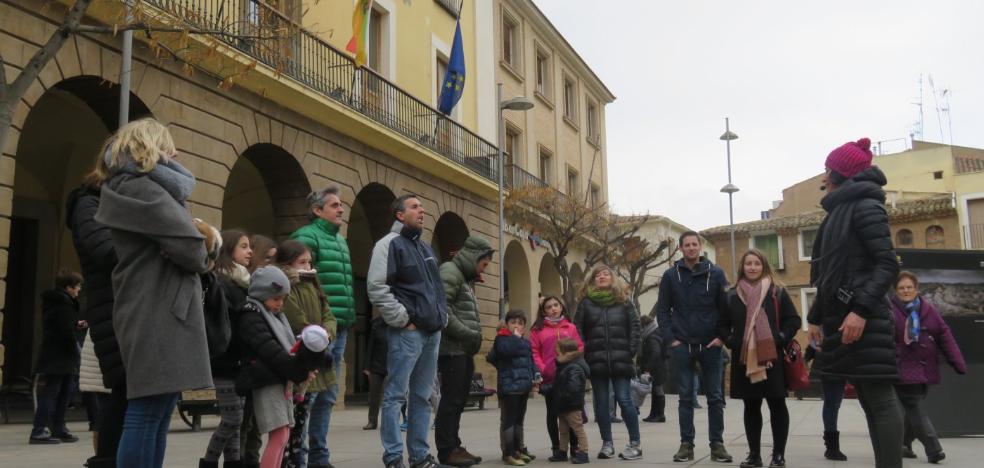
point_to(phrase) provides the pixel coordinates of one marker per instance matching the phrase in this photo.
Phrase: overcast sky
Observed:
(796, 78)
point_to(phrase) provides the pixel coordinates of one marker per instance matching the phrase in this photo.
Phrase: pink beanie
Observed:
(850, 158)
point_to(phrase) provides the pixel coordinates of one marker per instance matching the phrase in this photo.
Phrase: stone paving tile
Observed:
(353, 447)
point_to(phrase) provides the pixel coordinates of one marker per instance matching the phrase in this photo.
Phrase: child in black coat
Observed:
(569, 388)
(512, 357)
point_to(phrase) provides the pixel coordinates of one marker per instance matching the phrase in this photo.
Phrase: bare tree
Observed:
(568, 223)
(636, 257)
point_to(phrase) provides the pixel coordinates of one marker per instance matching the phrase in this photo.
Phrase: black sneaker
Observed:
(397, 463)
(43, 438)
(428, 462)
(66, 437)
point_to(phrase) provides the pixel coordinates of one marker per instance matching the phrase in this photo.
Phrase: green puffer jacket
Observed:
(330, 257)
(304, 307)
(463, 334)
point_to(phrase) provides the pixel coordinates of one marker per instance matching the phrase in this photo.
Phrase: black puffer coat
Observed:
(569, 385)
(512, 357)
(731, 330)
(378, 348)
(94, 246)
(611, 337)
(265, 361)
(653, 354)
(853, 254)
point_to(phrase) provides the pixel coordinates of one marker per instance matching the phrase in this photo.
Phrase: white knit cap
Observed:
(314, 338)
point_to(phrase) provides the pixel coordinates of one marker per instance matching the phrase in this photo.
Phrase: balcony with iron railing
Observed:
(263, 33)
(515, 177)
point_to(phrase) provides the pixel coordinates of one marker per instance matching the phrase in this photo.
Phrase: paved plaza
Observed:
(353, 447)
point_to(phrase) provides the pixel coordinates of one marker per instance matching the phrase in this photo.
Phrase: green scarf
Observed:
(602, 297)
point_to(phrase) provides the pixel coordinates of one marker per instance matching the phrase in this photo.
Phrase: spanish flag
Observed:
(360, 31)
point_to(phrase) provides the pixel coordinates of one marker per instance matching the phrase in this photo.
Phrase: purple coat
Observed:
(919, 362)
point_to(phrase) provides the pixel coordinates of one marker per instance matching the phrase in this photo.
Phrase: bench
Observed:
(196, 403)
(478, 392)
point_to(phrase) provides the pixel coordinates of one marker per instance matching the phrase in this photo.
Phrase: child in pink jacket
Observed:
(552, 324)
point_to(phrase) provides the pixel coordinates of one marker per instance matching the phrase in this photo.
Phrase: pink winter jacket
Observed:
(544, 342)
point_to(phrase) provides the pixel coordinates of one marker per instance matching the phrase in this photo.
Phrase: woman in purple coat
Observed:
(921, 336)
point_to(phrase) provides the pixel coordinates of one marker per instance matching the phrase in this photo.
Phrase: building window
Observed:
(510, 41)
(545, 163)
(935, 238)
(595, 196)
(807, 297)
(771, 246)
(903, 238)
(512, 146)
(806, 238)
(570, 99)
(440, 71)
(543, 73)
(593, 131)
(374, 46)
(938, 175)
(572, 184)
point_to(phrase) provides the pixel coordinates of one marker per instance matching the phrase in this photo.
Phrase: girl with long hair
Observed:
(552, 324)
(609, 324)
(758, 324)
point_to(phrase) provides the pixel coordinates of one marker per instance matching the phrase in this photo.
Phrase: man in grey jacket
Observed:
(405, 285)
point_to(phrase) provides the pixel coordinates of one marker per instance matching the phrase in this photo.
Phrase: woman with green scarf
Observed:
(609, 325)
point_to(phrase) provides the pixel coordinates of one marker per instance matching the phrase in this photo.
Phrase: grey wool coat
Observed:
(157, 315)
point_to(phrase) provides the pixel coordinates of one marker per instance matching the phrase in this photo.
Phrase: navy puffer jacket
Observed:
(512, 357)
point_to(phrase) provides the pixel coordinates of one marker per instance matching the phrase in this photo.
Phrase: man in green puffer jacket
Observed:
(460, 341)
(330, 258)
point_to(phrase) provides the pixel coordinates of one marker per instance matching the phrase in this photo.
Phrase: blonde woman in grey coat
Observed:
(157, 315)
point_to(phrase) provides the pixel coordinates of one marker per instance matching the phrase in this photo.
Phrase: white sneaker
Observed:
(607, 451)
(633, 451)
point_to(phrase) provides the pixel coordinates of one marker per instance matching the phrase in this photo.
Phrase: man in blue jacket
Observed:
(405, 285)
(692, 295)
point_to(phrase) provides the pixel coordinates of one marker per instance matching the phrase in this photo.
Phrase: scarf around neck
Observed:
(554, 321)
(238, 274)
(758, 349)
(278, 324)
(602, 297)
(912, 322)
(168, 173)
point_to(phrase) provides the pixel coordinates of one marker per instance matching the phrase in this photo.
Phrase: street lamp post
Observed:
(519, 104)
(730, 189)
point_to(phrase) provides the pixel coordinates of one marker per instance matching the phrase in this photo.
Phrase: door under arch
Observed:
(266, 193)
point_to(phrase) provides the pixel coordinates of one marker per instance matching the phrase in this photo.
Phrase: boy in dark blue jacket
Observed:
(512, 357)
(569, 388)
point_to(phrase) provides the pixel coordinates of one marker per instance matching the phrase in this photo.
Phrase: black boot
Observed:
(558, 456)
(232, 464)
(831, 439)
(657, 411)
(203, 463)
(104, 462)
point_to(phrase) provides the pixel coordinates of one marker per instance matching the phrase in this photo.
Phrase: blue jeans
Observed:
(321, 405)
(412, 368)
(833, 395)
(144, 437)
(711, 363)
(602, 388)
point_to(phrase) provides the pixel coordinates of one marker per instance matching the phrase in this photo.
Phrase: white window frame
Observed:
(803, 255)
(805, 305)
(751, 245)
(388, 47)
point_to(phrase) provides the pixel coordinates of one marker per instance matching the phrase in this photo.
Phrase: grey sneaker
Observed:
(633, 451)
(719, 454)
(686, 452)
(607, 450)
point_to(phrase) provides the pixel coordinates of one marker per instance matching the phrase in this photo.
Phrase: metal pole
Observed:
(502, 215)
(731, 206)
(125, 67)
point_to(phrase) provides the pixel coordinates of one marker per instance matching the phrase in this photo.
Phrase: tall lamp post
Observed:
(517, 104)
(730, 189)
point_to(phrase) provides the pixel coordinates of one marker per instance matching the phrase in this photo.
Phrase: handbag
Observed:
(794, 367)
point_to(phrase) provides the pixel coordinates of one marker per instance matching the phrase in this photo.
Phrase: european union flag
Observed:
(454, 80)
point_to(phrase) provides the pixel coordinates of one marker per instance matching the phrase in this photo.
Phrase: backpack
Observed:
(218, 326)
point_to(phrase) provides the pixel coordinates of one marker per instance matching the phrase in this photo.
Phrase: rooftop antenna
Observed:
(917, 130)
(936, 101)
(945, 94)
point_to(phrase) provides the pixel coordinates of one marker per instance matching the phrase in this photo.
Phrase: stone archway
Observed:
(549, 278)
(265, 193)
(370, 219)
(518, 279)
(59, 141)
(450, 234)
